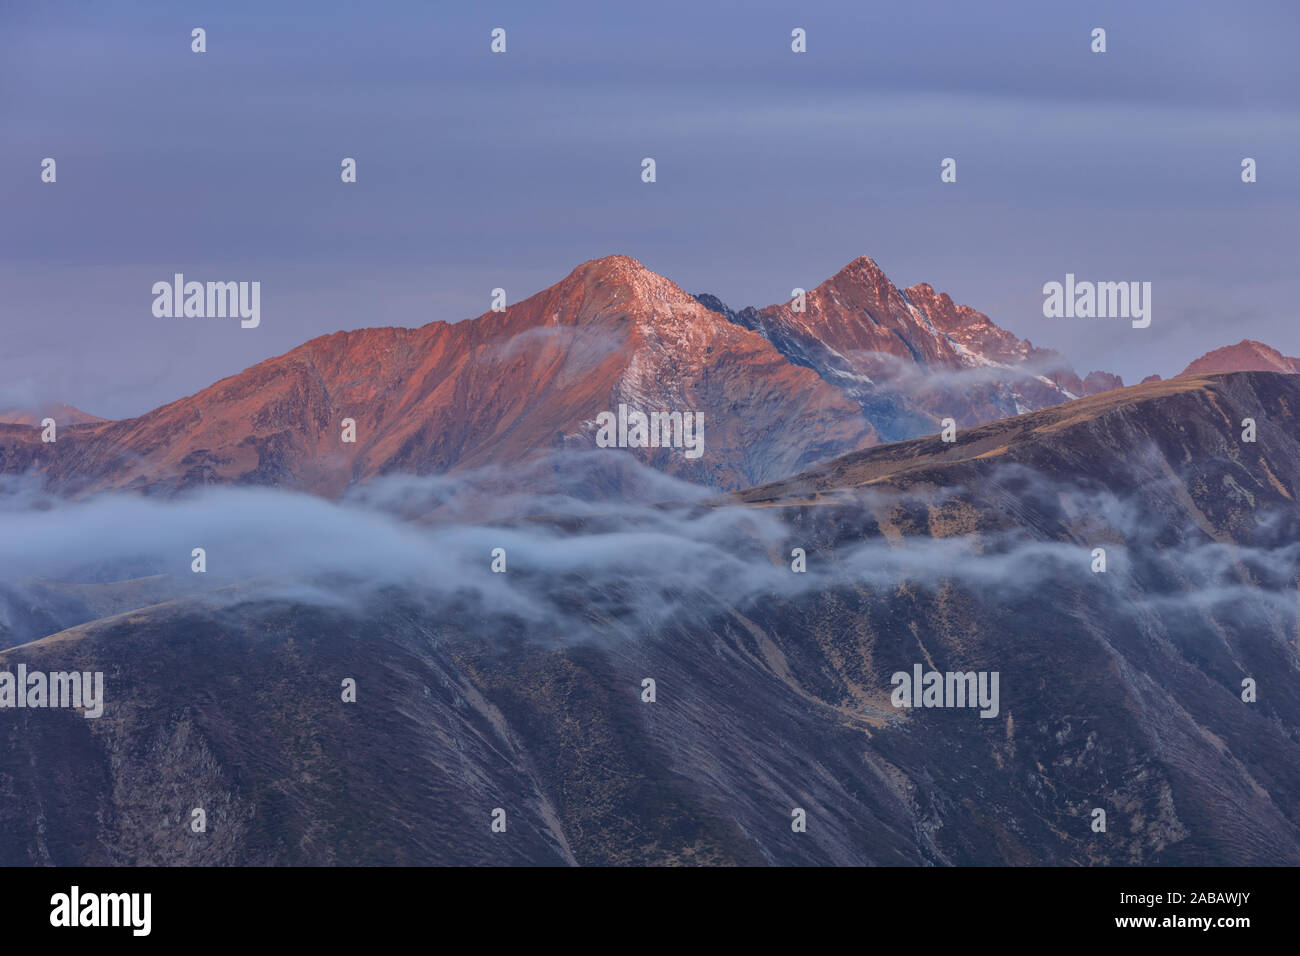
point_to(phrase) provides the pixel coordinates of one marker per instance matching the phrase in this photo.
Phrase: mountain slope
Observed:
(1074, 439)
(1120, 691)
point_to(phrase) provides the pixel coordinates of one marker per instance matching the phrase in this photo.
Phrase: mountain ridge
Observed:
(779, 388)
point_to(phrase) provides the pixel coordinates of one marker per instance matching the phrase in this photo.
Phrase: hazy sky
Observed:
(478, 170)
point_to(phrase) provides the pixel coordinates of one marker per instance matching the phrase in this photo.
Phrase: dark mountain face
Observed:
(1118, 690)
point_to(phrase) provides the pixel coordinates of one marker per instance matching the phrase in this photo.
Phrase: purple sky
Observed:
(774, 169)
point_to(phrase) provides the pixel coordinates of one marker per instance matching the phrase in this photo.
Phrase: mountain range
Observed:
(643, 658)
(524, 693)
(857, 362)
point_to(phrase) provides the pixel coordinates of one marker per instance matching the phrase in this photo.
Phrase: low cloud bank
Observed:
(572, 561)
